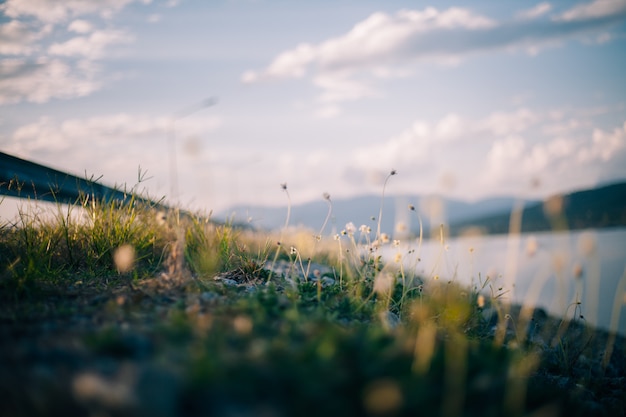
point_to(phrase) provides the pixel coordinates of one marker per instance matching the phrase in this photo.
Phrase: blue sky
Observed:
(467, 99)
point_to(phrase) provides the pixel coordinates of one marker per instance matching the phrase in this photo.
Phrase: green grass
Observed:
(374, 339)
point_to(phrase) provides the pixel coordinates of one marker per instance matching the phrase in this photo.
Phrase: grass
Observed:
(124, 310)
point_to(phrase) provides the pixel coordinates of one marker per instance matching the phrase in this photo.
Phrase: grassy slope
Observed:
(84, 335)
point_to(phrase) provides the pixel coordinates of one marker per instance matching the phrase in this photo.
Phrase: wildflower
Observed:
(383, 282)
(284, 186)
(393, 172)
(480, 301)
(350, 228)
(318, 237)
(337, 237)
(326, 196)
(384, 237)
(411, 207)
(293, 250)
(343, 232)
(397, 258)
(396, 243)
(365, 229)
(124, 258)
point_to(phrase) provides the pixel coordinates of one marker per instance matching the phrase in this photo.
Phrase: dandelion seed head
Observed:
(350, 228)
(480, 301)
(124, 258)
(242, 324)
(383, 282)
(383, 397)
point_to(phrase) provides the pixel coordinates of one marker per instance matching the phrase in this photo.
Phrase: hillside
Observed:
(596, 208)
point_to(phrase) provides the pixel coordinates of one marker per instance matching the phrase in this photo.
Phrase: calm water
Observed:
(548, 270)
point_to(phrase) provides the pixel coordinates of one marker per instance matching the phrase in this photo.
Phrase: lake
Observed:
(548, 270)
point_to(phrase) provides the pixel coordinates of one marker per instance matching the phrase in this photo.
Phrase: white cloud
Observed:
(397, 42)
(502, 123)
(60, 11)
(500, 153)
(535, 12)
(92, 46)
(48, 134)
(338, 87)
(59, 66)
(604, 146)
(597, 9)
(115, 145)
(80, 26)
(41, 80)
(19, 38)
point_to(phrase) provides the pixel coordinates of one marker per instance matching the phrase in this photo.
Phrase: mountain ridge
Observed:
(602, 206)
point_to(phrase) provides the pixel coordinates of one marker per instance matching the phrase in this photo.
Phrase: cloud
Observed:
(60, 11)
(44, 57)
(18, 38)
(48, 134)
(114, 145)
(92, 46)
(80, 26)
(40, 80)
(533, 13)
(400, 41)
(595, 10)
(501, 153)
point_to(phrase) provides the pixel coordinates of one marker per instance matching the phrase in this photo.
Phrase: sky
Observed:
(467, 99)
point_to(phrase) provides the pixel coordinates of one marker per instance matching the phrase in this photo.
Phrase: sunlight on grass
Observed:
(293, 322)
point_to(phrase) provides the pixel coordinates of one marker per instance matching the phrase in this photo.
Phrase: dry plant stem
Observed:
(440, 254)
(382, 201)
(620, 292)
(282, 232)
(330, 211)
(515, 227)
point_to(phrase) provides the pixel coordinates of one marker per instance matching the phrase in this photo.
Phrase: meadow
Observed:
(128, 309)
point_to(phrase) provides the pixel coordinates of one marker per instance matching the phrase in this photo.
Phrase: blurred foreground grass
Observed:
(120, 310)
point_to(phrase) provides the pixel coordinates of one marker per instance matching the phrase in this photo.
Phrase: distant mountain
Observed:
(365, 209)
(604, 206)
(596, 208)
